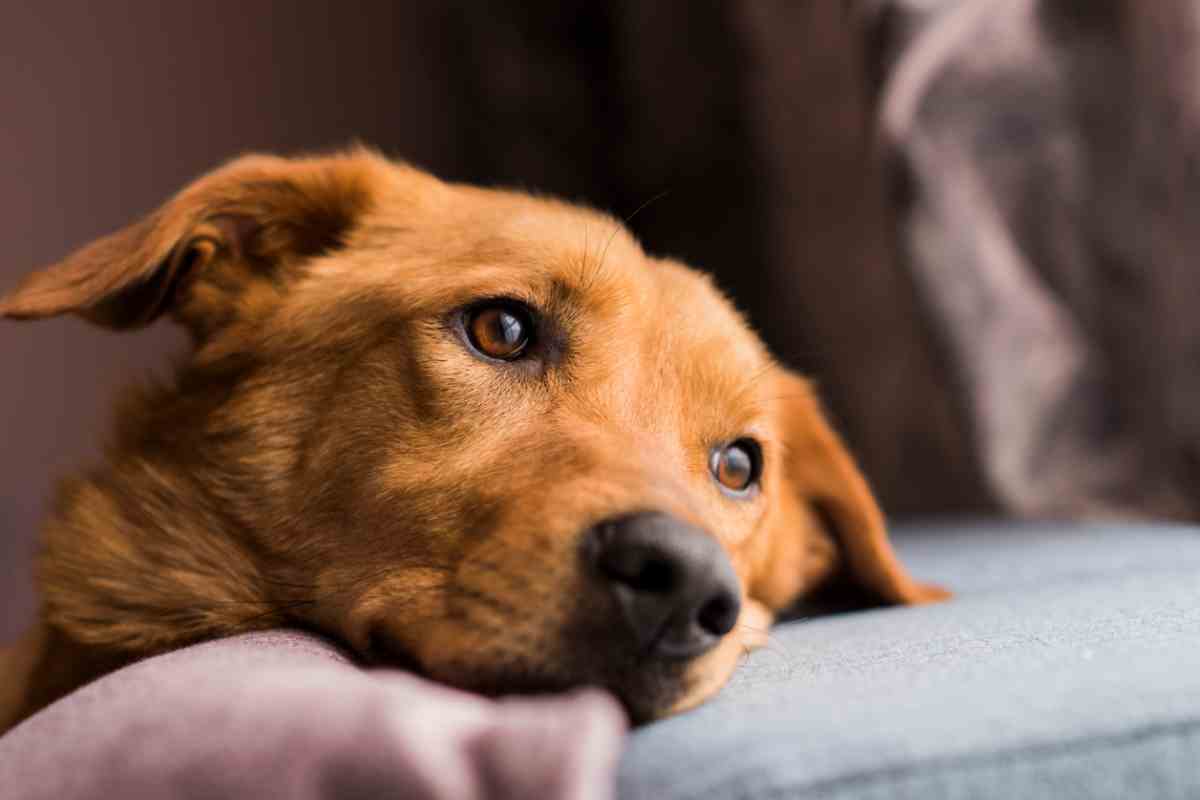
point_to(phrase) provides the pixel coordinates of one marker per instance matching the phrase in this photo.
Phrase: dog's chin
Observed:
(648, 690)
(646, 695)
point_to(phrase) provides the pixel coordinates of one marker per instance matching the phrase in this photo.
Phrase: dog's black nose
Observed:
(673, 582)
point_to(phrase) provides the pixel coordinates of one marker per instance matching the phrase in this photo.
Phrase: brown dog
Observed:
(472, 432)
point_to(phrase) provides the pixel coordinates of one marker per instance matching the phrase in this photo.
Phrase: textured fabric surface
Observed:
(285, 715)
(1068, 666)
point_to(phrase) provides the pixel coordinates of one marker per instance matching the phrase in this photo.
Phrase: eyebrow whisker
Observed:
(600, 263)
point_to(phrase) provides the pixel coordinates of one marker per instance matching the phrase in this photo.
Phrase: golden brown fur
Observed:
(332, 456)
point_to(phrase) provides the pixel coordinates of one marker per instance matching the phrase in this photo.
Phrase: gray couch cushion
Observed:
(1068, 666)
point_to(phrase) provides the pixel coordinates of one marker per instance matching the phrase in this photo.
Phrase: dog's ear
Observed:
(824, 516)
(228, 234)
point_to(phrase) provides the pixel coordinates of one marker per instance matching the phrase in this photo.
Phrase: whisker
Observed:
(773, 646)
(644, 205)
(617, 229)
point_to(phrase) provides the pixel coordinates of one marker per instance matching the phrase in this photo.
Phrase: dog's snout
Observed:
(673, 582)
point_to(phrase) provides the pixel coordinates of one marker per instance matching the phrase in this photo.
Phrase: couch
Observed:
(1067, 666)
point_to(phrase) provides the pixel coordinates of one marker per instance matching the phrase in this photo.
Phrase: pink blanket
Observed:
(284, 714)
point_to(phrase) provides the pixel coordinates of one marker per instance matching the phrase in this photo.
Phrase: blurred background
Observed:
(968, 220)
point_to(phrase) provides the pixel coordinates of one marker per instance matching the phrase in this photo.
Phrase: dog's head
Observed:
(472, 431)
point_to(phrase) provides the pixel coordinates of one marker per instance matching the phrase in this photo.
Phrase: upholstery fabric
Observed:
(1068, 666)
(285, 715)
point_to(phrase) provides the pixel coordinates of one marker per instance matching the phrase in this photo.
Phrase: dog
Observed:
(470, 432)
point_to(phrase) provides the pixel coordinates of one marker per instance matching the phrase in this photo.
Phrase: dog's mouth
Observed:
(647, 688)
(646, 694)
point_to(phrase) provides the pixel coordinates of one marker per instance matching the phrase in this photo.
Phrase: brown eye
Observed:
(499, 331)
(737, 465)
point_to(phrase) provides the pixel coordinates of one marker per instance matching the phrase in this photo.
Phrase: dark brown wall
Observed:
(107, 108)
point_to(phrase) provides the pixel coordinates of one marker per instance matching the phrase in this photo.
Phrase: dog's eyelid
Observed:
(515, 296)
(528, 306)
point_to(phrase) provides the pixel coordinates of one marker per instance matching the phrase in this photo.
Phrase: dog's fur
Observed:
(333, 456)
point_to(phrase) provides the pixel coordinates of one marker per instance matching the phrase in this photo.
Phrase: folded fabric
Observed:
(285, 714)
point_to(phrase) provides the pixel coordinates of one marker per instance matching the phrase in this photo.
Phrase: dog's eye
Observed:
(737, 465)
(500, 330)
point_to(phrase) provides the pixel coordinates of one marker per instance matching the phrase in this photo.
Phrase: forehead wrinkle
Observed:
(554, 270)
(592, 254)
(503, 242)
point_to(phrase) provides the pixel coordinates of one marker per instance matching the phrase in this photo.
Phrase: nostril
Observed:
(657, 576)
(641, 569)
(719, 614)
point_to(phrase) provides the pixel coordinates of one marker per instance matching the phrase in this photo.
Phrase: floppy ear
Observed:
(226, 234)
(825, 516)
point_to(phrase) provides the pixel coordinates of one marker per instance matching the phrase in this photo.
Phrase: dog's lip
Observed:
(663, 649)
(644, 697)
(660, 647)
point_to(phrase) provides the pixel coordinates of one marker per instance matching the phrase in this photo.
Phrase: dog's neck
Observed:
(153, 550)
(133, 564)
(138, 557)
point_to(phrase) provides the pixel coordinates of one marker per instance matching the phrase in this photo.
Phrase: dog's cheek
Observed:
(405, 600)
(791, 556)
(709, 674)
(754, 625)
